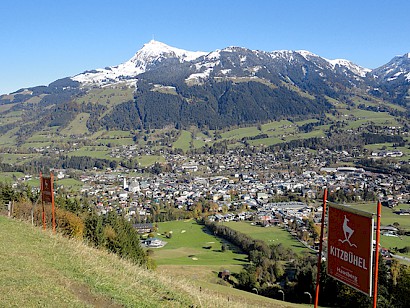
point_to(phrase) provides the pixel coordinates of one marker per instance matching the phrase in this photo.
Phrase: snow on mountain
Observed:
(307, 54)
(150, 54)
(356, 69)
(240, 62)
(334, 64)
(231, 61)
(399, 66)
(154, 50)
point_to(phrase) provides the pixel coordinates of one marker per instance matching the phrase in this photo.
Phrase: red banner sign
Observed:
(46, 189)
(350, 247)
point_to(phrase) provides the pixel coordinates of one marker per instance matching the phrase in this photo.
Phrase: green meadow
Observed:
(9, 138)
(271, 235)
(9, 177)
(184, 140)
(32, 145)
(78, 126)
(16, 158)
(149, 160)
(239, 133)
(191, 244)
(109, 97)
(69, 183)
(388, 217)
(116, 141)
(94, 152)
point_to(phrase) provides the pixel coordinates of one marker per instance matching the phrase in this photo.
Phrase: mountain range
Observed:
(162, 85)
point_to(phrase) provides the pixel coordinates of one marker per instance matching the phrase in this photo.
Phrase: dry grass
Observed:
(40, 269)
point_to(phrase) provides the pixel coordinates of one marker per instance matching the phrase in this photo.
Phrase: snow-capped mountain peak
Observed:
(397, 68)
(150, 54)
(155, 49)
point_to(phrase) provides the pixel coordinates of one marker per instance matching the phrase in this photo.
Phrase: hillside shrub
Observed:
(69, 223)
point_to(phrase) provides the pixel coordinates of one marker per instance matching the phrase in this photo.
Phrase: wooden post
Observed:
(319, 258)
(43, 215)
(9, 209)
(376, 261)
(53, 209)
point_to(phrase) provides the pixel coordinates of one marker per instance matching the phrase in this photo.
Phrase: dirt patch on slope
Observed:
(84, 294)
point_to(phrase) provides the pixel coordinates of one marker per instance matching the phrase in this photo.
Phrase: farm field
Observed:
(271, 235)
(116, 141)
(16, 158)
(69, 183)
(241, 132)
(91, 151)
(183, 142)
(110, 97)
(148, 160)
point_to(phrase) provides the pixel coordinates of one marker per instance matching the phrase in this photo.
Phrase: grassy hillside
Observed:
(351, 120)
(44, 270)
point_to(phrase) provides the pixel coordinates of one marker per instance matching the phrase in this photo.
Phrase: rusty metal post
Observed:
(319, 258)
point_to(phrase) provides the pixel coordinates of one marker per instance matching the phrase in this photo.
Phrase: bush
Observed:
(69, 223)
(22, 210)
(405, 249)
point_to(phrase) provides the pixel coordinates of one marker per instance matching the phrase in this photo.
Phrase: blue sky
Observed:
(45, 40)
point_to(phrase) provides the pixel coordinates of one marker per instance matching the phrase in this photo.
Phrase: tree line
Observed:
(274, 268)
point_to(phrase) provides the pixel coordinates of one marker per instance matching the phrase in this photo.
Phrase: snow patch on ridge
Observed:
(196, 78)
(215, 55)
(225, 71)
(394, 76)
(305, 54)
(356, 69)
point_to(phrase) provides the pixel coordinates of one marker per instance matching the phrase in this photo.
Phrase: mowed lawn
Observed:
(271, 235)
(191, 244)
(388, 217)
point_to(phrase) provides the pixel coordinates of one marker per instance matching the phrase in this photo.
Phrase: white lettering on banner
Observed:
(348, 257)
(346, 273)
